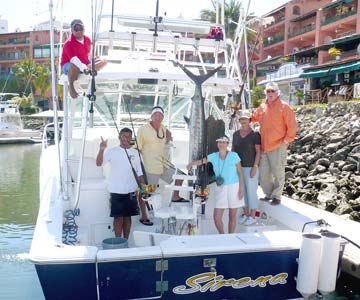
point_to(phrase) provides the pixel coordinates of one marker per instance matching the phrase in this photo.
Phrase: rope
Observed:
(70, 228)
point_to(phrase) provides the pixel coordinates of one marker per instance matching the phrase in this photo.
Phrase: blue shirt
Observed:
(226, 168)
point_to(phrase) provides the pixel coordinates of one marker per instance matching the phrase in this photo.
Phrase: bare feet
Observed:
(73, 92)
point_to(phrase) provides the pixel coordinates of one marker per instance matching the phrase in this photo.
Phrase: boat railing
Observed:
(48, 136)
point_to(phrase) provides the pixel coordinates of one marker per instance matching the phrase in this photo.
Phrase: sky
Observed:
(24, 14)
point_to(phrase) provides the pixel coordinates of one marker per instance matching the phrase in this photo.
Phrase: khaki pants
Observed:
(272, 172)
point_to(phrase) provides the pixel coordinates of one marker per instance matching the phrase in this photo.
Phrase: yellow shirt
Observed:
(152, 147)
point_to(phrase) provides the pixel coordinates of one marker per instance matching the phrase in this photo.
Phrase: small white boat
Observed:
(181, 256)
(11, 125)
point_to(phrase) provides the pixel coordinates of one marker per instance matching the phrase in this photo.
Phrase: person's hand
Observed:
(168, 136)
(189, 166)
(103, 144)
(241, 193)
(253, 172)
(285, 143)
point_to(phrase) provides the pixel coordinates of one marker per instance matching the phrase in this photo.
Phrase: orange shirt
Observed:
(277, 124)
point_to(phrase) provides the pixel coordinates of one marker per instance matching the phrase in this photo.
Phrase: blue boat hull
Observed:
(260, 275)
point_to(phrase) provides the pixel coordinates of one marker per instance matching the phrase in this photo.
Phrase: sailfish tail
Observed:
(198, 79)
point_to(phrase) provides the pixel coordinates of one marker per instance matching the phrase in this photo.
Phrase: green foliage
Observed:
(42, 79)
(35, 77)
(25, 71)
(26, 104)
(232, 12)
(257, 96)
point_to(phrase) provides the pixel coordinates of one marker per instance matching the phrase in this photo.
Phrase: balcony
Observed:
(276, 21)
(273, 40)
(12, 56)
(344, 54)
(337, 17)
(303, 30)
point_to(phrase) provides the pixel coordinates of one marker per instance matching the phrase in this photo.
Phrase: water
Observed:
(19, 201)
(19, 194)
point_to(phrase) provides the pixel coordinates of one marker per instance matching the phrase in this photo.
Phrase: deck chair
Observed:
(172, 212)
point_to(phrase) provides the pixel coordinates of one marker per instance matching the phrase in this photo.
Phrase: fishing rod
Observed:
(243, 71)
(91, 95)
(169, 164)
(137, 145)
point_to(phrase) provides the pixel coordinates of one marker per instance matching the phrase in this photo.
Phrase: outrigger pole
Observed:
(54, 90)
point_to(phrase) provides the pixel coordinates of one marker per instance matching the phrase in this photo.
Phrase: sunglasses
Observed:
(78, 28)
(270, 91)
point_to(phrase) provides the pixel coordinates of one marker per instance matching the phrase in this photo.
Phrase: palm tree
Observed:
(232, 12)
(25, 72)
(42, 79)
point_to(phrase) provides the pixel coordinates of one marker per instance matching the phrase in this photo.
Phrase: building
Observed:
(15, 46)
(312, 46)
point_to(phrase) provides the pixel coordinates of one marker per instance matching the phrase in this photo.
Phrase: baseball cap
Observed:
(272, 86)
(223, 139)
(245, 114)
(76, 22)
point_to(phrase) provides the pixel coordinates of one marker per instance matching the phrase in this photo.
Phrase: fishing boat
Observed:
(11, 125)
(292, 251)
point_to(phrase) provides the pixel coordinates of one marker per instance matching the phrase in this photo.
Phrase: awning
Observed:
(355, 65)
(331, 70)
(315, 73)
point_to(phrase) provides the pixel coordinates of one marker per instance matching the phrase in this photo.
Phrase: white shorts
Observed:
(227, 196)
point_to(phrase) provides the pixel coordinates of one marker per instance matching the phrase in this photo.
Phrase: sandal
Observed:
(146, 222)
(180, 200)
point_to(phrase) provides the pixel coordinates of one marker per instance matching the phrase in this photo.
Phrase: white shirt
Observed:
(121, 177)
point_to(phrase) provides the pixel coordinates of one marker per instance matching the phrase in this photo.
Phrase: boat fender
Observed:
(329, 262)
(309, 263)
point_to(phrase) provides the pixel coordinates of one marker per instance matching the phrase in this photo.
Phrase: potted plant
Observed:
(334, 53)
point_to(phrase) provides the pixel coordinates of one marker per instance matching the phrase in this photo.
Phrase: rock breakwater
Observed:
(323, 165)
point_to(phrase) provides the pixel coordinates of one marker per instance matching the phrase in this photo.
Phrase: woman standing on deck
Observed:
(246, 143)
(229, 183)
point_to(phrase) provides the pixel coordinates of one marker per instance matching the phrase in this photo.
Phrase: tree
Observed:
(232, 12)
(25, 72)
(42, 79)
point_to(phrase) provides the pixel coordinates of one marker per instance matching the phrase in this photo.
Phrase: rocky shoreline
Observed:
(323, 165)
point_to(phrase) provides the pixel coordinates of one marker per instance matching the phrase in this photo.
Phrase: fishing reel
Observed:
(202, 193)
(235, 106)
(146, 190)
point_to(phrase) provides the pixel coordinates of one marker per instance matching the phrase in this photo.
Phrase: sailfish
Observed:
(198, 125)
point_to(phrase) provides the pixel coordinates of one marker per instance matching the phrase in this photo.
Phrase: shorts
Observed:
(166, 176)
(65, 68)
(123, 205)
(227, 196)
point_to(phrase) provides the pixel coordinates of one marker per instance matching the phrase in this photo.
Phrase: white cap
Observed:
(223, 139)
(272, 86)
(157, 109)
(245, 114)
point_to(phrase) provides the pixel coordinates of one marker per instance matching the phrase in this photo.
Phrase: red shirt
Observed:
(277, 124)
(73, 47)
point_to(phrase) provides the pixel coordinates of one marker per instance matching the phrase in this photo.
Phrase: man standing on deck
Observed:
(152, 139)
(122, 183)
(277, 129)
(75, 57)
